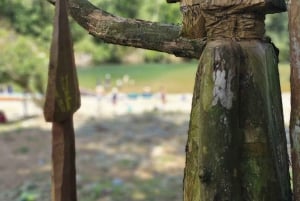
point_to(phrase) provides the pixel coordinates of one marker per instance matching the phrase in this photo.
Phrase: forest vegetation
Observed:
(26, 31)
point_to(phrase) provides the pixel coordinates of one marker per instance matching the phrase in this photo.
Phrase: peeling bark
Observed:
(294, 26)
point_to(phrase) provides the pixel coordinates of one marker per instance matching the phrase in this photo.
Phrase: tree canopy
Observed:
(29, 23)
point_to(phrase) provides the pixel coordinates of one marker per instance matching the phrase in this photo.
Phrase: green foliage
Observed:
(277, 29)
(28, 196)
(157, 10)
(28, 17)
(26, 31)
(169, 76)
(120, 7)
(22, 62)
(153, 56)
(156, 76)
(160, 11)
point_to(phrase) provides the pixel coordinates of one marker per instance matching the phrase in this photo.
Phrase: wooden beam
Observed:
(134, 32)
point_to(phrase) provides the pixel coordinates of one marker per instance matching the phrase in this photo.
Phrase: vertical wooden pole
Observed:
(294, 30)
(63, 161)
(62, 100)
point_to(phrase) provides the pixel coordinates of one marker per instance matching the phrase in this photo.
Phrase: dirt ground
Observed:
(130, 157)
(134, 151)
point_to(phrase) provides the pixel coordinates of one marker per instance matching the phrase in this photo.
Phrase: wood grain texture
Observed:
(63, 161)
(134, 32)
(62, 100)
(294, 25)
(236, 147)
(62, 94)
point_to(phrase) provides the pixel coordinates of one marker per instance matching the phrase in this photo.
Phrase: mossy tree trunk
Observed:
(294, 25)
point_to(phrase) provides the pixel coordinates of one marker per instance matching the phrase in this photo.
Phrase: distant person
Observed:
(163, 95)
(107, 81)
(183, 98)
(2, 117)
(147, 92)
(10, 89)
(119, 83)
(126, 79)
(99, 91)
(99, 94)
(114, 96)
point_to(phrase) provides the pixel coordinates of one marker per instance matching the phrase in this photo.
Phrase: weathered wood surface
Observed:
(63, 161)
(62, 100)
(62, 94)
(236, 6)
(294, 29)
(236, 147)
(133, 32)
(264, 6)
(193, 22)
(212, 151)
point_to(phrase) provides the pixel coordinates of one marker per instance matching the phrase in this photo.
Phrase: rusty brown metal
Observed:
(62, 100)
(294, 30)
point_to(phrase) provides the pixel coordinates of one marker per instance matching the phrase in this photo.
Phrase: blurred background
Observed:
(132, 125)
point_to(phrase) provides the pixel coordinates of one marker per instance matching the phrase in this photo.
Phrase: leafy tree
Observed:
(157, 10)
(28, 17)
(30, 25)
(277, 29)
(22, 62)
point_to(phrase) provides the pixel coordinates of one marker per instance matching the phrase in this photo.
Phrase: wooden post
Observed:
(62, 100)
(294, 30)
(63, 161)
(236, 148)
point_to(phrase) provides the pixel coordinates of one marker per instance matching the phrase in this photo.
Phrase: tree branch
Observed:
(133, 32)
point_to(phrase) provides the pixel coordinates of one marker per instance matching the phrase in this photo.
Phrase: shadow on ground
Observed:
(132, 157)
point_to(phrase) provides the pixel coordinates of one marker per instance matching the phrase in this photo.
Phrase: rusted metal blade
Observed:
(294, 29)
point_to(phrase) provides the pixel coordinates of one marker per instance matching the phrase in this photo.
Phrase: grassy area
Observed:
(173, 78)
